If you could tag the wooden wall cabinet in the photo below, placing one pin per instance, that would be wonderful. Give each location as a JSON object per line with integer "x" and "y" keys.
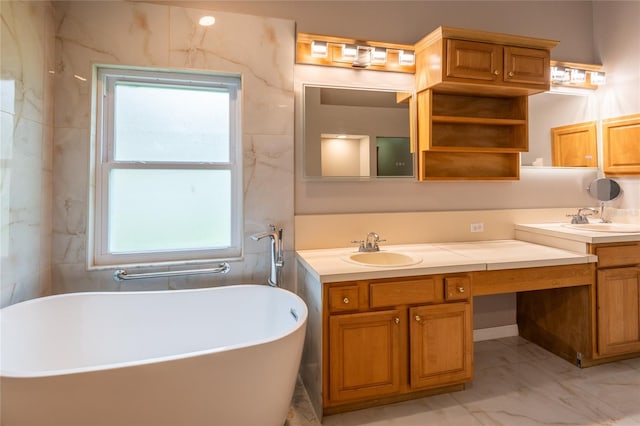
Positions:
{"x": 621, "y": 143}
{"x": 460, "y": 60}
{"x": 394, "y": 338}
{"x": 618, "y": 298}
{"x": 471, "y": 90}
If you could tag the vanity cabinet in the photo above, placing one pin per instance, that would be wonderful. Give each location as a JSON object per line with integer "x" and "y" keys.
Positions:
{"x": 395, "y": 338}
{"x": 467, "y": 61}
{"x": 618, "y": 298}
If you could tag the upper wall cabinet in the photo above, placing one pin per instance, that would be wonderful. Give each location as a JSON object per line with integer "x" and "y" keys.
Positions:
{"x": 471, "y": 93}
{"x": 475, "y": 62}
{"x": 621, "y": 136}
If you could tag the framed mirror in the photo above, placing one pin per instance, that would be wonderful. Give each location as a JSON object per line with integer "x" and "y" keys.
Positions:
{"x": 364, "y": 133}
{"x": 356, "y": 133}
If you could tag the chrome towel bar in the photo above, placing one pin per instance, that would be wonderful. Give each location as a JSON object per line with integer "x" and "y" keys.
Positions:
{"x": 122, "y": 275}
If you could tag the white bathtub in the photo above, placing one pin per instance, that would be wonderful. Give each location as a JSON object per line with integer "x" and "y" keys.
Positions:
{"x": 218, "y": 356}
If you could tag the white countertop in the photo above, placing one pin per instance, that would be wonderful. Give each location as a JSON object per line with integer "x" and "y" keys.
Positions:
{"x": 329, "y": 265}
{"x": 560, "y": 230}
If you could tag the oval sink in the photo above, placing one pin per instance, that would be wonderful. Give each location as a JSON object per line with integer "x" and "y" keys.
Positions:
{"x": 605, "y": 227}
{"x": 383, "y": 258}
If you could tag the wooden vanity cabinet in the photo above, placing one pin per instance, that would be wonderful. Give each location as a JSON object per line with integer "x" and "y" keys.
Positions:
{"x": 618, "y": 298}
{"x": 392, "y": 339}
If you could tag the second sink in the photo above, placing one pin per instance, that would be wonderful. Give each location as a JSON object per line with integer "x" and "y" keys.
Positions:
{"x": 606, "y": 227}
{"x": 383, "y": 258}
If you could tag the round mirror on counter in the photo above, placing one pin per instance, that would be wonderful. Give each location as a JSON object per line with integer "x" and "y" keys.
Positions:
{"x": 604, "y": 189}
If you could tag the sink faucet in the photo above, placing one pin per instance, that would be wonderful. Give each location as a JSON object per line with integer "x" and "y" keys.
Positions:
{"x": 370, "y": 243}
{"x": 277, "y": 259}
{"x": 580, "y": 217}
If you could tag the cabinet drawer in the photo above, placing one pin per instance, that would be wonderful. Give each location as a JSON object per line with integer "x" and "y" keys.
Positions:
{"x": 402, "y": 293}
{"x": 618, "y": 255}
{"x": 457, "y": 288}
{"x": 344, "y": 298}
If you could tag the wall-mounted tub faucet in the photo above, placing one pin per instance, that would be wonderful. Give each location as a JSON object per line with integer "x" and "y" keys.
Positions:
{"x": 277, "y": 258}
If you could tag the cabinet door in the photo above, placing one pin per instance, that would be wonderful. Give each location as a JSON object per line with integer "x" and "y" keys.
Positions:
{"x": 526, "y": 66}
{"x": 620, "y": 140}
{"x": 474, "y": 60}
{"x": 364, "y": 355}
{"x": 441, "y": 345}
{"x": 574, "y": 145}
{"x": 618, "y": 295}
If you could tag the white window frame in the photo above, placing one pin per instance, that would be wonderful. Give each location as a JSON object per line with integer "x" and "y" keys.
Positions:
{"x": 102, "y": 161}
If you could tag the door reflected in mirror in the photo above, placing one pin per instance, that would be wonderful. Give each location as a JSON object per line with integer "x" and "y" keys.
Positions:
{"x": 562, "y": 130}
{"x": 357, "y": 133}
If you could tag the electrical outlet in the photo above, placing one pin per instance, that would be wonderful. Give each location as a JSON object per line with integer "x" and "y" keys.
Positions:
{"x": 477, "y": 227}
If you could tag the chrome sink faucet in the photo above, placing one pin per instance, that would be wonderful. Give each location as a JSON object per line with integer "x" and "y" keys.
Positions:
{"x": 277, "y": 258}
{"x": 370, "y": 243}
{"x": 580, "y": 217}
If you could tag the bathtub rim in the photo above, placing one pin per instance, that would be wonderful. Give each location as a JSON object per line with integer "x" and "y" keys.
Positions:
{"x": 300, "y": 322}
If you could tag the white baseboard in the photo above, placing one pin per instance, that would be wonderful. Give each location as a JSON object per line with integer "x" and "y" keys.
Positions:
{"x": 495, "y": 332}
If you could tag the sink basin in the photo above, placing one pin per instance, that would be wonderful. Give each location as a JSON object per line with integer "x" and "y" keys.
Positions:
{"x": 383, "y": 258}
{"x": 605, "y": 227}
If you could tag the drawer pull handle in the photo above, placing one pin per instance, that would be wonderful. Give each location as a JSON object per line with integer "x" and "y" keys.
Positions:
{"x": 496, "y": 72}
{"x": 417, "y": 318}
{"x": 396, "y": 320}
{"x": 345, "y": 300}
{"x": 460, "y": 289}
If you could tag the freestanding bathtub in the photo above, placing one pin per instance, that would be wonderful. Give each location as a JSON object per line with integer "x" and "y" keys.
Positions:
{"x": 217, "y": 356}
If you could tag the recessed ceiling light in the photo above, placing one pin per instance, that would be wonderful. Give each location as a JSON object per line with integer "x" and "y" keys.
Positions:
{"x": 207, "y": 21}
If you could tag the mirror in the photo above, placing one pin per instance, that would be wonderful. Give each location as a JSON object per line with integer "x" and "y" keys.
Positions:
{"x": 572, "y": 114}
{"x": 361, "y": 133}
{"x": 604, "y": 189}
{"x": 356, "y": 133}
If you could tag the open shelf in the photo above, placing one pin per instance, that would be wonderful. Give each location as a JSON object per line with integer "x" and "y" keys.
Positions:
{"x": 462, "y": 136}
{"x": 469, "y": 166}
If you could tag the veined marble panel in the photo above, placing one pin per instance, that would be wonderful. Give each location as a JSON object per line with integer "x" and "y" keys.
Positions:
{"x": 261, "y": 50}
{"x": 23, "y": 41}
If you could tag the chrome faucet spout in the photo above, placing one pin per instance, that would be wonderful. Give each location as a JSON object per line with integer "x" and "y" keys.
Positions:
{"x": 277, "y": 258}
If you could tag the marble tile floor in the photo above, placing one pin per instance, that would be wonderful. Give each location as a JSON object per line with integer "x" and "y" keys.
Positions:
{"x": 516, "y": 383}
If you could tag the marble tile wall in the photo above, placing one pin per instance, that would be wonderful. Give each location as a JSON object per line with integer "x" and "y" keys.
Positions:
{"x": 26, "y": 126}
{"x": 150, "y": 35}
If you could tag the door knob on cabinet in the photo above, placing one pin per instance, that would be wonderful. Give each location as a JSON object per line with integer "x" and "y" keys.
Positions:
{"x": 345, "y": 300}
{"x": 460, "y": 289}
{"x": 417, "y": 318}
{"x": 396, "y": 320}
{"x": 496, "y": 72}
{"x": 511, "y": 74}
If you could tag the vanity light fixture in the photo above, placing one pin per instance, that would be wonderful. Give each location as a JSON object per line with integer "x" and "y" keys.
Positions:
{"x": 406, "y": 57}
{"x": 576, "y": 76}
{"x": 207, "y": 21}
{"x": 349, "y": 52}
{"x": 597, "y": 78}
{"x": 316, "y": 49}
{"x": 378, "y": 55}
{"x": 559, "y": 74}
{"x": 319, "y": 49}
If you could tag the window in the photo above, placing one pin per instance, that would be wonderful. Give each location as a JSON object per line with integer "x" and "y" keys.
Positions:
{"x": 167, "y": 167}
